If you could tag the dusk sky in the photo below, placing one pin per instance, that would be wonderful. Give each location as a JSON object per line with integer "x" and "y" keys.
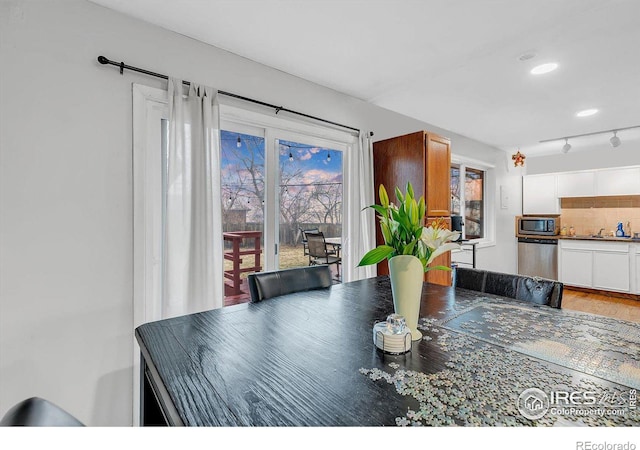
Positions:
{"x": 310, "y": 170}
{"x": 313, "y": 161}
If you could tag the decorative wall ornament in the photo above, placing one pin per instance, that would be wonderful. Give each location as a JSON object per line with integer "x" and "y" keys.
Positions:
{"x": 518, "y": 159}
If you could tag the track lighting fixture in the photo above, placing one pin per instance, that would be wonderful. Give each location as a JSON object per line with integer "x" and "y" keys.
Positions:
{"x": 615, "y": 140}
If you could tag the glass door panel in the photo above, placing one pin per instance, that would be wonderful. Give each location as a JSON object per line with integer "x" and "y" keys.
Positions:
{"x": 242, "y": 190}
{"x": 310, "y": 198}
{"x": 474, "y": 203}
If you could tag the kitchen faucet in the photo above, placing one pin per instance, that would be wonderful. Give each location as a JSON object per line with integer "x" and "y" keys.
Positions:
{"x": 600, "y": 232}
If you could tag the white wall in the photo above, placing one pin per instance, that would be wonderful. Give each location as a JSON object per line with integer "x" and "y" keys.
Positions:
{"x": 66, "y": 189}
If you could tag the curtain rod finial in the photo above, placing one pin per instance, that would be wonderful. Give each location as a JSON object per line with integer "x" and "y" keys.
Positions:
{"x": 103, "y": 60}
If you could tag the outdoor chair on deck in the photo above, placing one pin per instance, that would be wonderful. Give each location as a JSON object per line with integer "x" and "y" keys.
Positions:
{"x": 305, "y": 245}
{"x": 264, "y": 285}
{"x": 319, "y": 253}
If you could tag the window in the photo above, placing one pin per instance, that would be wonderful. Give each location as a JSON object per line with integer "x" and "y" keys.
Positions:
{"x": 310, "y": 197}
{"x": 467, "y": 199}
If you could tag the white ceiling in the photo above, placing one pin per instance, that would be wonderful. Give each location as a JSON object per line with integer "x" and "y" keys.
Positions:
{"x": 452, "y": 63}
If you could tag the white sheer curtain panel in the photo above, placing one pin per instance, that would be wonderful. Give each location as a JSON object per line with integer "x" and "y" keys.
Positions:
{"x": 360, "y": 231}
{"x": 192, "y": 279}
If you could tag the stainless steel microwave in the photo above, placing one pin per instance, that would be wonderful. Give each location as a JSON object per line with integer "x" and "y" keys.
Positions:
{"x": 541, "y": 226}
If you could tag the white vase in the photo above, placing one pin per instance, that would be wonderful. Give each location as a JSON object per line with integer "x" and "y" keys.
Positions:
{"x": 406, "y": 273}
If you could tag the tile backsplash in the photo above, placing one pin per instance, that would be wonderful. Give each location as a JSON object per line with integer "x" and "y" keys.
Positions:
{"x": 589, "y": 214}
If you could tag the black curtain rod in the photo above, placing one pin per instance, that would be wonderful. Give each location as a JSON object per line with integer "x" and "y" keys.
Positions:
{"x": 104, "y": 60}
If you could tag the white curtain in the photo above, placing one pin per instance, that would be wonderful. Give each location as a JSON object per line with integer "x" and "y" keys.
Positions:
{"x": 360, "y": 231}
{"x": 192, "y": 279}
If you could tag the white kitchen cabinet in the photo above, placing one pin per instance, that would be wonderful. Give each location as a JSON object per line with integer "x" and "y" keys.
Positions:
{"x": 540, "y": 195}
{"x": 624, "y": 181}
{"x": 602, "y": 265}
{"x": 577, "y": 184}
{"x": 611, "y": 270}
{"x": 635, "y": 285}
{"x": 576, "y": 267}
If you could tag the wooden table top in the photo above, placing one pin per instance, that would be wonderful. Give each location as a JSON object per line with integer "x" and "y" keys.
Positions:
{"x": 308, "y": 359}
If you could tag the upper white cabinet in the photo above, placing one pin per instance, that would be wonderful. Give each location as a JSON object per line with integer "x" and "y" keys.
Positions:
{"x": 540, "y": 194}
{"x": 624, "y": 181}
{"x": 577, "y": 184}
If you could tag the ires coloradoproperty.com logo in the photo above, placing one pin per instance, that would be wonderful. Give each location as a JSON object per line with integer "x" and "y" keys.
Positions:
{"x": 534, "y": 403}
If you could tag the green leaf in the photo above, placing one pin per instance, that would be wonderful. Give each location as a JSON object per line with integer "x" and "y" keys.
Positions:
{"x": 437, "y": 268}
{"x": 395, "y": 215}
{"x": 408, "y": 250}
{"x": 376, "y": 255}
{"x": 386, "y": 232}
{"x": 379, "y": 209}
{"x": 384, "y": 198}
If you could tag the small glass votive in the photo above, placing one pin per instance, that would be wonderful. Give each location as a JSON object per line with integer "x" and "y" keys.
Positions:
{"x": 396, "y": 323}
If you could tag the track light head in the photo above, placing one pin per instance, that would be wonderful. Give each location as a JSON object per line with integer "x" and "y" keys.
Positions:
{"x": 566, "y": 147}
{"x": 615, "y": 140}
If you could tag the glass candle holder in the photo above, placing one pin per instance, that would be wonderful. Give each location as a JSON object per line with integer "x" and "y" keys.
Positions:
{"x": 396, "y": 323}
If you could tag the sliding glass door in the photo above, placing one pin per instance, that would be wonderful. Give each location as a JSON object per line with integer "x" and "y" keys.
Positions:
{"x": 309, "y": 198}
{"x": 243, "y": 219}
{"x": 278, "y": 178}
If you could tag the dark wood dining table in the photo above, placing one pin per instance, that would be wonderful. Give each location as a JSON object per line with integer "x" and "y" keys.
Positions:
{"x": 309, "y": 359}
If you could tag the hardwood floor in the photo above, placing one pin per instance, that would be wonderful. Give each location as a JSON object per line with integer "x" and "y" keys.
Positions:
{"x": 604, "y": 305}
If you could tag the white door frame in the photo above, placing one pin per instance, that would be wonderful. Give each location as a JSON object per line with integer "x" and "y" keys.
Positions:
{"x": 150, "y": 106}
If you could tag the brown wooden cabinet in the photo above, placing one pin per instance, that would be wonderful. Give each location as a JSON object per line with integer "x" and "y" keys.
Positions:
{"x": 424, "y": 159}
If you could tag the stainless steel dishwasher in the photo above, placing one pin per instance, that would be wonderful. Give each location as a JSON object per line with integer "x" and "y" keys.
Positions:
{"x": 538, "y": 257}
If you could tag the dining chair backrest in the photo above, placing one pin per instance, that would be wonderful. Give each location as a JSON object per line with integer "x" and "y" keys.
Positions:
{"x": 38, "y": 412}
{"x": 317, "y": 245}
{"x": 264, "y": 285}
{"x": 532, "y": 289}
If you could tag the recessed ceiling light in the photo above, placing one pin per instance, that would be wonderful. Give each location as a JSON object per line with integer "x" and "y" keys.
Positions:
{"x": 586, "y": 112}
{"x": 544, "y": 68}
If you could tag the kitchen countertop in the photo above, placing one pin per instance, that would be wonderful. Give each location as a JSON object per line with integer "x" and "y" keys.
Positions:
{"x": 582, "y": 238}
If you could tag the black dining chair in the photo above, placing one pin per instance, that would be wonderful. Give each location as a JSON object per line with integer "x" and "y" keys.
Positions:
{"x": 38, "y": 412}
{"x": 319, "y": 253}
{"x": 531, "y": 289}
{"x": 265, "y": 285}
